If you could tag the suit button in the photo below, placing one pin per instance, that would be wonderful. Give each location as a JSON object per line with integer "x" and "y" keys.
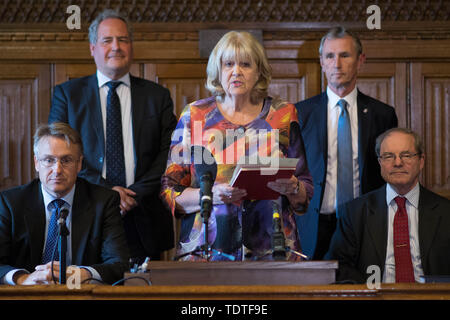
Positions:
{"x": 100, "y": 159}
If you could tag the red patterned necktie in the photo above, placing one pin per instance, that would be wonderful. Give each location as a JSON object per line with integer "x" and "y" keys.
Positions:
{"x": 404, "y": 271}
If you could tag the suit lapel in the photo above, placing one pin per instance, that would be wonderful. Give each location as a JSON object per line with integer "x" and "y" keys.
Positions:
{"x": 322, "y": 127}
{"x": 377, "y": 217}
{"x": 35, "y": 223}
{"x": 82, "y": 217}
{"x": 138, "y": 105}
{"x": 364, "y": 127}
{"x": 429, "y": 219}
{"x": 94, "y": 110}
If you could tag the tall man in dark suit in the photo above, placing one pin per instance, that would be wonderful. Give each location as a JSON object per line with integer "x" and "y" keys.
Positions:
{"x": 339, "y": 128}
{"x": 28, "y": 215}
{"x": 402, "y": 227}
{"x": 125, "y": 124}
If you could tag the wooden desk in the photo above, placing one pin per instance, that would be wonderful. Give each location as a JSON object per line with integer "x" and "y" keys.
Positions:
{"x": 288, "y": 292}
{"x": 239, "y": 273}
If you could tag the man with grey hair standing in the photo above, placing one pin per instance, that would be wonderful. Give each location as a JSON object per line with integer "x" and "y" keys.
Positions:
{"x": 339, "y": 128}
{"x": 126, "y": 125}
{"x": 402, "y": 227}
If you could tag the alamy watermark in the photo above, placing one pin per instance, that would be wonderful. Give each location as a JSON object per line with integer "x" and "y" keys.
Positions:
{"x": 74, "y": 20}
{"x": 374, "y": 20}
{"x": 261, "y": 145}
{"x": 374, "y": 280}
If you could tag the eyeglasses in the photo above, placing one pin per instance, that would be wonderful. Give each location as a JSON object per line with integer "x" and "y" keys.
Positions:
{"x": 406, "y": 157}
{"x": 66, "y": 162}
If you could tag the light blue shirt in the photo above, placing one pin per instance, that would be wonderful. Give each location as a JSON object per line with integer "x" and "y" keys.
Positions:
{"x": 8, "y": 278}
{"x": 412, "y": 209}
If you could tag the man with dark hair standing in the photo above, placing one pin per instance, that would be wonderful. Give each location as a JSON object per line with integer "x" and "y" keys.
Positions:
{"x": 29, "y": 215}
{"x": 402, "y": 227}
{"x": 125, "y": 124}
{"x": 339, "y": 128}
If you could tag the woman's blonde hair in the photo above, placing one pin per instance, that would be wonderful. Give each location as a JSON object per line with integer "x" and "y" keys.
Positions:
{"x": 239, "y": 46}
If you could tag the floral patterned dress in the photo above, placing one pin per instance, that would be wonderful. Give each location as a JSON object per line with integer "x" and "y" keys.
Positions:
{"x": 242, "y": 229}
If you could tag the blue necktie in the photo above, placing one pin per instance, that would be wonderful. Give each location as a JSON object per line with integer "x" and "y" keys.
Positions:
{"x": 52, "y": 233}
{"x": 115, "y": 161}
{"x": 344, "y": 188}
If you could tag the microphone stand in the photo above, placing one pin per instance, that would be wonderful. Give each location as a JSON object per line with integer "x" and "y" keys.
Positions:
{"x": 206, "y": 213}
{"x": 205, "y": 250}
{"x": 62, "y": 240}
{"x": 279, "y": 248}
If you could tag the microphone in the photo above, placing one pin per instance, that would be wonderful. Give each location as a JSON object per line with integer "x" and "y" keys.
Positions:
{"x": 205, "y": 171}
{"x": 63, "y": 233}
{"x": 63, "y": 216}
{"x": 278, "y": 241}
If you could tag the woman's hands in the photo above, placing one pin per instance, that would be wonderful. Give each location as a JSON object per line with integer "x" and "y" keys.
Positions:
{"x": 223, "y": 193}
{"x": 292, "y": 188}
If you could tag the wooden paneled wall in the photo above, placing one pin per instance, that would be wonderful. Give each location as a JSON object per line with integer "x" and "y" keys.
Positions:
{"x": 406, "y": 67}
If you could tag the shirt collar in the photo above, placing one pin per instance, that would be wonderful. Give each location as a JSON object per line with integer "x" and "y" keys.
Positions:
{"x": 102, "y": 79}
{"x": 333, "y": 98}
{"x": 412, "y": 196}
{"x": 68, "y": 198}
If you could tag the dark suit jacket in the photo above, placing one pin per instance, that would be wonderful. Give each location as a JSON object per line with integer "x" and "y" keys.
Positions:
{"x": 360, "y": 239}
{"x": 77, "y": 102}
{"x": 98, "y": 237}
{"x": 374, "y": 117}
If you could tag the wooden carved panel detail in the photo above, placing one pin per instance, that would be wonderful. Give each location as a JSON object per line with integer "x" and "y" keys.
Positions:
{"x": 386, "y": 82}
{"x": 17, "y": 106}
{"x": 291, "y": 90}
{"x": 39, "y": 11}
{"x": 24, "y": 104}
{"x": 430, "y": 109}
{"x": 185, "y": 91}
{"x": 185, "y": 81}
{"x": 380, "y": 88}
{"x": 437, "y": 135}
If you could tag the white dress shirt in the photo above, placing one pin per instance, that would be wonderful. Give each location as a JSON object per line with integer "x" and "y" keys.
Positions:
{"x": 412, "y": 209}
{"x": 8, "y": 278}
{"x": 329, "y": 203}
{"x": 124, "y": 93}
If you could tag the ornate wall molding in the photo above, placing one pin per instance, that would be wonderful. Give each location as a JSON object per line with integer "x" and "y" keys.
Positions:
{"x": 283, "y": 35}
{"x": 151, "y": 11}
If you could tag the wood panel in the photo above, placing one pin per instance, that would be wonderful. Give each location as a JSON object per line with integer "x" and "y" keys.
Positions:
{"x": 430, "y": 110}
{"x": 24, "y": 103}
{"x": 67, "y": 71}
{"x": 291, "y": 81}
{"x": 386, "y": 82}
{"x": 185, "y": 81}
{"x": 294, "y": 82}
{"x": 416, "y": 85}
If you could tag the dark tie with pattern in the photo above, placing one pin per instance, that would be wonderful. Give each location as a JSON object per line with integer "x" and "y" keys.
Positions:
{"x": 115, "y": 160}
{"x": 344, "y": 187}
{"x": 52, "y": 233}
{"x": 404, "y": 271}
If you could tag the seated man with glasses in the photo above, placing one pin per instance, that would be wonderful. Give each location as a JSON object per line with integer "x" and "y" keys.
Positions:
{"x": 403, "y": 228}
{"x": 96, "y": 245}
